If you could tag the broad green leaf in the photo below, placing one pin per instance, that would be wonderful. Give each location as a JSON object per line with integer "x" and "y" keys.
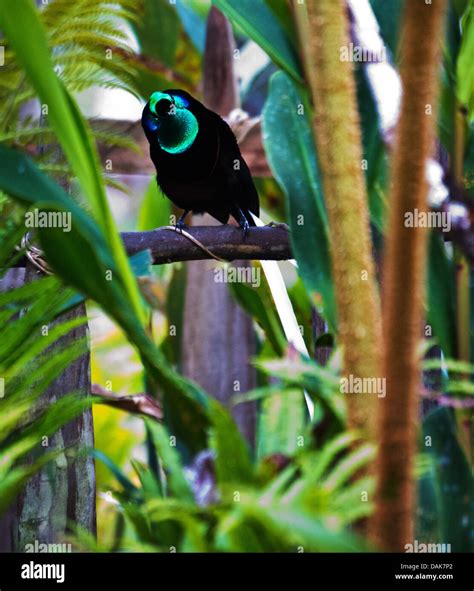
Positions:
{"x": 193, "y": 23}
{"x": 441, "y": 290}
{"x": 256, "y": 302}
{"x": 151, "y": 485}
{"x": 291, "y": 154}
{"x": 155, "y": 209}
{"x": 389, "y": 17}
{"x": 175, "y": 298}
{"x": 232, "y": 455}
{"x": 464, "y": 69}
{"x": 262, "y": 26}
{"x": 194, "y": 534}
{"x": 177, "y": 484}
{"x": 282, "y": 10}
{"x": 374, "y": 149}
{"x": 122, "y": 479}
{"x": 158, "y": 31}
{"x": 242, "y": 532}
{"x": 281, "y": 422}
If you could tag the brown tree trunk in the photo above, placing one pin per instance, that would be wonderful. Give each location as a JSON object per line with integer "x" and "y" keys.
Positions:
{"x": 63, "y": 492}
{"x": 218, "y": 337}
{"x": 404, "y": 278}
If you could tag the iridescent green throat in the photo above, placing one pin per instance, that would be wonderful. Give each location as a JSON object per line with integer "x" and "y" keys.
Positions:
{"x": 176, "y": 129}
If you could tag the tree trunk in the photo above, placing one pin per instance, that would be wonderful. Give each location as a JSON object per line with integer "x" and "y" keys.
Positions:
{"x": 63, "y": 492}
{"x": 218, "y": 337}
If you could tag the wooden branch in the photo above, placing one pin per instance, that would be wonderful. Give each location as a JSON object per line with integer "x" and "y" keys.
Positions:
{"x": 226, "y": 242}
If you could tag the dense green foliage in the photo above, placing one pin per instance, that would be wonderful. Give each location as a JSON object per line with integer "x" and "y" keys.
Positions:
{"x": 202, "y": 488}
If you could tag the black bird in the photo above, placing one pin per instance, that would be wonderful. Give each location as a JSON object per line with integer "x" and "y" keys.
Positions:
{"x": 198, "y": 162}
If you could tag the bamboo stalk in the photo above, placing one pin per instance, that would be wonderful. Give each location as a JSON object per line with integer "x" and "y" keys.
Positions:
{"x": 391, "y": 526}
{"x": 338, "y": 139}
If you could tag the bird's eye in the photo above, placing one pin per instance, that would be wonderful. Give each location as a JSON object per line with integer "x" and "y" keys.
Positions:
{"x": 164, "y": 107}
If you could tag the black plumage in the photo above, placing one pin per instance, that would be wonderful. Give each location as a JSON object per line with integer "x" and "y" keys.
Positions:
{"x": 198, "y": 162}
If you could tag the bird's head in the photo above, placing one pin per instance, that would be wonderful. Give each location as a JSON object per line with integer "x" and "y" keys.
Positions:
{"x": 167, "y": 119}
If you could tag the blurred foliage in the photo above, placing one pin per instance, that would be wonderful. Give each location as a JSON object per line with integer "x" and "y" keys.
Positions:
{"x": 27, "y": 369}
{"x": 224, "y": 503}
{"x": 201, "y": 488}
{"x": 286, "y": 131}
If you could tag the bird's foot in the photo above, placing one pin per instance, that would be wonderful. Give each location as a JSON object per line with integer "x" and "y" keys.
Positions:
{"x": 180, "y": 225}
{"x": 278, "y": 225}
{"x": 244, "y": 226}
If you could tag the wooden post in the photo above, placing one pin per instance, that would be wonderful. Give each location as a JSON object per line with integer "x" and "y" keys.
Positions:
{"x": 218, "y": 337}
{"x": 63, "y": 492}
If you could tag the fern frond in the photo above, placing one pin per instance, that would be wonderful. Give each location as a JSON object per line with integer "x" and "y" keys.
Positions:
{"x": 90, "y": 40}
{"x": 76, "y": 63}
{"x": 112, "y": 138}
{"x": 112, "y": 13}
{"x": 113, "y": 183}
{"x": 56, "y": 169}
{"x": 84, "y": 82}
{"x": 24, "y": 135}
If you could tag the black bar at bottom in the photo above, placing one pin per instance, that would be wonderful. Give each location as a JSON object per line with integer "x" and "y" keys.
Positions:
{"x": 294, "y": 571}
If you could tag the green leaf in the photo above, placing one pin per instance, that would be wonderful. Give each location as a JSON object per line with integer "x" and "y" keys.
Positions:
{"x": 12, "y": 482}
{"x": 389, "y": 17}
{"x": 58, "y": 414}
{"x": 194, "y": 534}
{"x": 155, "y": 209}
{"x": 177, "y": 484}
{"x": 193, "y": 23}
{"x": 282, "y": 10}
{"x": 262, "y": 26}
{"x": 232, "y": 455}
{"x": 122, "y": 479}
{"x": 158, "y": 31}
{"x": 464, "y": 69}
{"x": 175, "y": 299}
{"x": 441, "y": 295}
{"x": 291, "y": 154}
{"x": 281, "y": 422}
{"x": 451, "y": 479}
{"x": 257, "y": 303}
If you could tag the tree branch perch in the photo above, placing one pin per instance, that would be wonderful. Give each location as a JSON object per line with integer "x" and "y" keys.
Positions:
{"x": 226, "y": 242}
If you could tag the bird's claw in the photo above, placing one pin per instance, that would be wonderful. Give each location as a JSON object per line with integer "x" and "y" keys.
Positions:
{"x": 245, "y": 226}
{"x": 180, "y": 225}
